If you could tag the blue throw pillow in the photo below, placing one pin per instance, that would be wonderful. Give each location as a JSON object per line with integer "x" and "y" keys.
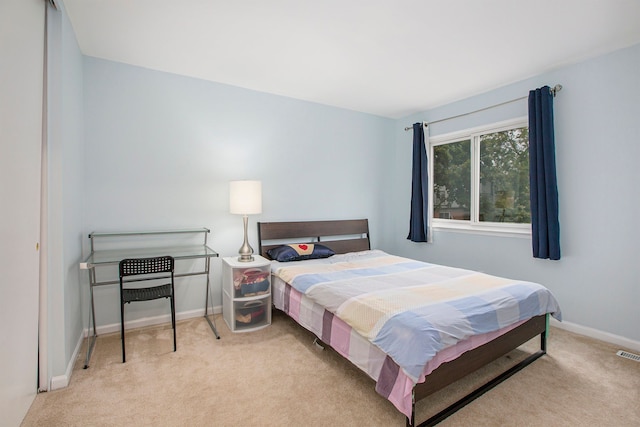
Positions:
{"x": 299, "y": 252}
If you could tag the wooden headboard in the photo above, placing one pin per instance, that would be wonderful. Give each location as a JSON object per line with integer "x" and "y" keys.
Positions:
{"x": 342, "y": 236}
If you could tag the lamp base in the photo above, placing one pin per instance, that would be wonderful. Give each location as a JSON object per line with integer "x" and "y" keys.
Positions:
{"x": 246, "y": 251}
{"x": 246, "y": 258}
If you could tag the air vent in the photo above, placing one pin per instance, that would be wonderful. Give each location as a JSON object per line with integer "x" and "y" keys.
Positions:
{"x": 628, "y": 355}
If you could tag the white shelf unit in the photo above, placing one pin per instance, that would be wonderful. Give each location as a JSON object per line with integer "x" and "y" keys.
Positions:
{"x": 246, "y": 293}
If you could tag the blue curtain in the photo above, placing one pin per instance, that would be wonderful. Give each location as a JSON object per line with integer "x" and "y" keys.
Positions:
{"x": 418, "y": 224}
{"x": 545, "y": 226}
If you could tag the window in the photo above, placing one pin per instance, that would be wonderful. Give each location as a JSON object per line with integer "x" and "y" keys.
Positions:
{"x": 481, "y": 179}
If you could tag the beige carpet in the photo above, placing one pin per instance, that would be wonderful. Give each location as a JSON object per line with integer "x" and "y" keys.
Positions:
{"x": 277, "y": 377}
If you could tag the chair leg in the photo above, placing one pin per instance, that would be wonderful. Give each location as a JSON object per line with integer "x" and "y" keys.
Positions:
{"x": 173, "y": 321}
{"x": 122, "y": 330}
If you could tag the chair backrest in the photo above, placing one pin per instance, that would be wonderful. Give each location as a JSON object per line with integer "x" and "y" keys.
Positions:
{"x": 133, "y": 266}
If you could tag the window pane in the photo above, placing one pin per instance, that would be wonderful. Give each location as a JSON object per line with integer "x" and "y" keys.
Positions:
{"x": 504, "y": 176}
{"x": 452, "y": 180}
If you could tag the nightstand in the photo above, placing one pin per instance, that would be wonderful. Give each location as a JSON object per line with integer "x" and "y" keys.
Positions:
{"x": 246, "y": 293}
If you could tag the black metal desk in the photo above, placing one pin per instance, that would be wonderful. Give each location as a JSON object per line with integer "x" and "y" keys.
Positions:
{"x": 112, "y": 257}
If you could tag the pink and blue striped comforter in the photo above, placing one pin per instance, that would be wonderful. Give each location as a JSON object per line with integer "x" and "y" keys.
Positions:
{"x": 413, "y": 310}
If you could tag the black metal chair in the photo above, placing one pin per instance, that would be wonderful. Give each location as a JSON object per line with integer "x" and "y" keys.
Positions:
{"x": 147, "y": 269}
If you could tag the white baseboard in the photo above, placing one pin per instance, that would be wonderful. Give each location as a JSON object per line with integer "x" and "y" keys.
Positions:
{"x": 597, "y": 334}
{"x": 150, "y": 321}
{"x": 61, "y": 381}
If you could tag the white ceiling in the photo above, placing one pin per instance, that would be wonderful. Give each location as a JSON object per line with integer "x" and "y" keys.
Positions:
{"x": 386, "y": 57}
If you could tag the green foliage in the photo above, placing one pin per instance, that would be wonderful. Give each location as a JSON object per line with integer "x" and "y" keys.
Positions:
{"x": 452, "y": 175}
{"x": 504, "y": 177}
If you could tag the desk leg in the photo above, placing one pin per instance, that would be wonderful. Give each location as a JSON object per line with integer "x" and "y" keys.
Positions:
{"x": 91, "y": 331}
{"x": 209, "y": 299}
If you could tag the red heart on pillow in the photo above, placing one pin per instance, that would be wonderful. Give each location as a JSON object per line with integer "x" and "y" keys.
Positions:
{"x": 303, "y": 247}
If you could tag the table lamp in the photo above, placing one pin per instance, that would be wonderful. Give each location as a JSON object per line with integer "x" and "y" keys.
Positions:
{"x": 245, "y": 198}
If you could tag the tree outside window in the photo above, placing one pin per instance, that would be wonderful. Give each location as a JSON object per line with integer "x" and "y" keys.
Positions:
{"x": 452, "y": 180}
{"x": 482, "y": 178}
{"x": 504, "y": 177}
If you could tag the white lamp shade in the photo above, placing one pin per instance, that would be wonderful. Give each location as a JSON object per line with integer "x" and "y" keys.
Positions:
{"x": 245, "y": 197}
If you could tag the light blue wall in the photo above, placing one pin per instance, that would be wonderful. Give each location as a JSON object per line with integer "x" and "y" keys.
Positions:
{"x": 597, "y": 281}
{"x": 160, "y": 150}
{"x": 65, "y": 192}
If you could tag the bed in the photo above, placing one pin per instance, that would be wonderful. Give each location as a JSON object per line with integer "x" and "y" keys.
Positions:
{"x": 380, "y": 312}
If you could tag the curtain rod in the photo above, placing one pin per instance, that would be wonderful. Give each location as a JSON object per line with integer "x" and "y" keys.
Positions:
{"x": 554, "y": 90}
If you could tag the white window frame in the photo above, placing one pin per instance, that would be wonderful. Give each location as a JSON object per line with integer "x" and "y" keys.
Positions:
{"x": 474, "y": 225}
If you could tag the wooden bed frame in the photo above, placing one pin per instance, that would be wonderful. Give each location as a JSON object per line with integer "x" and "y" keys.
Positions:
{"x": 353, "y": 235}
